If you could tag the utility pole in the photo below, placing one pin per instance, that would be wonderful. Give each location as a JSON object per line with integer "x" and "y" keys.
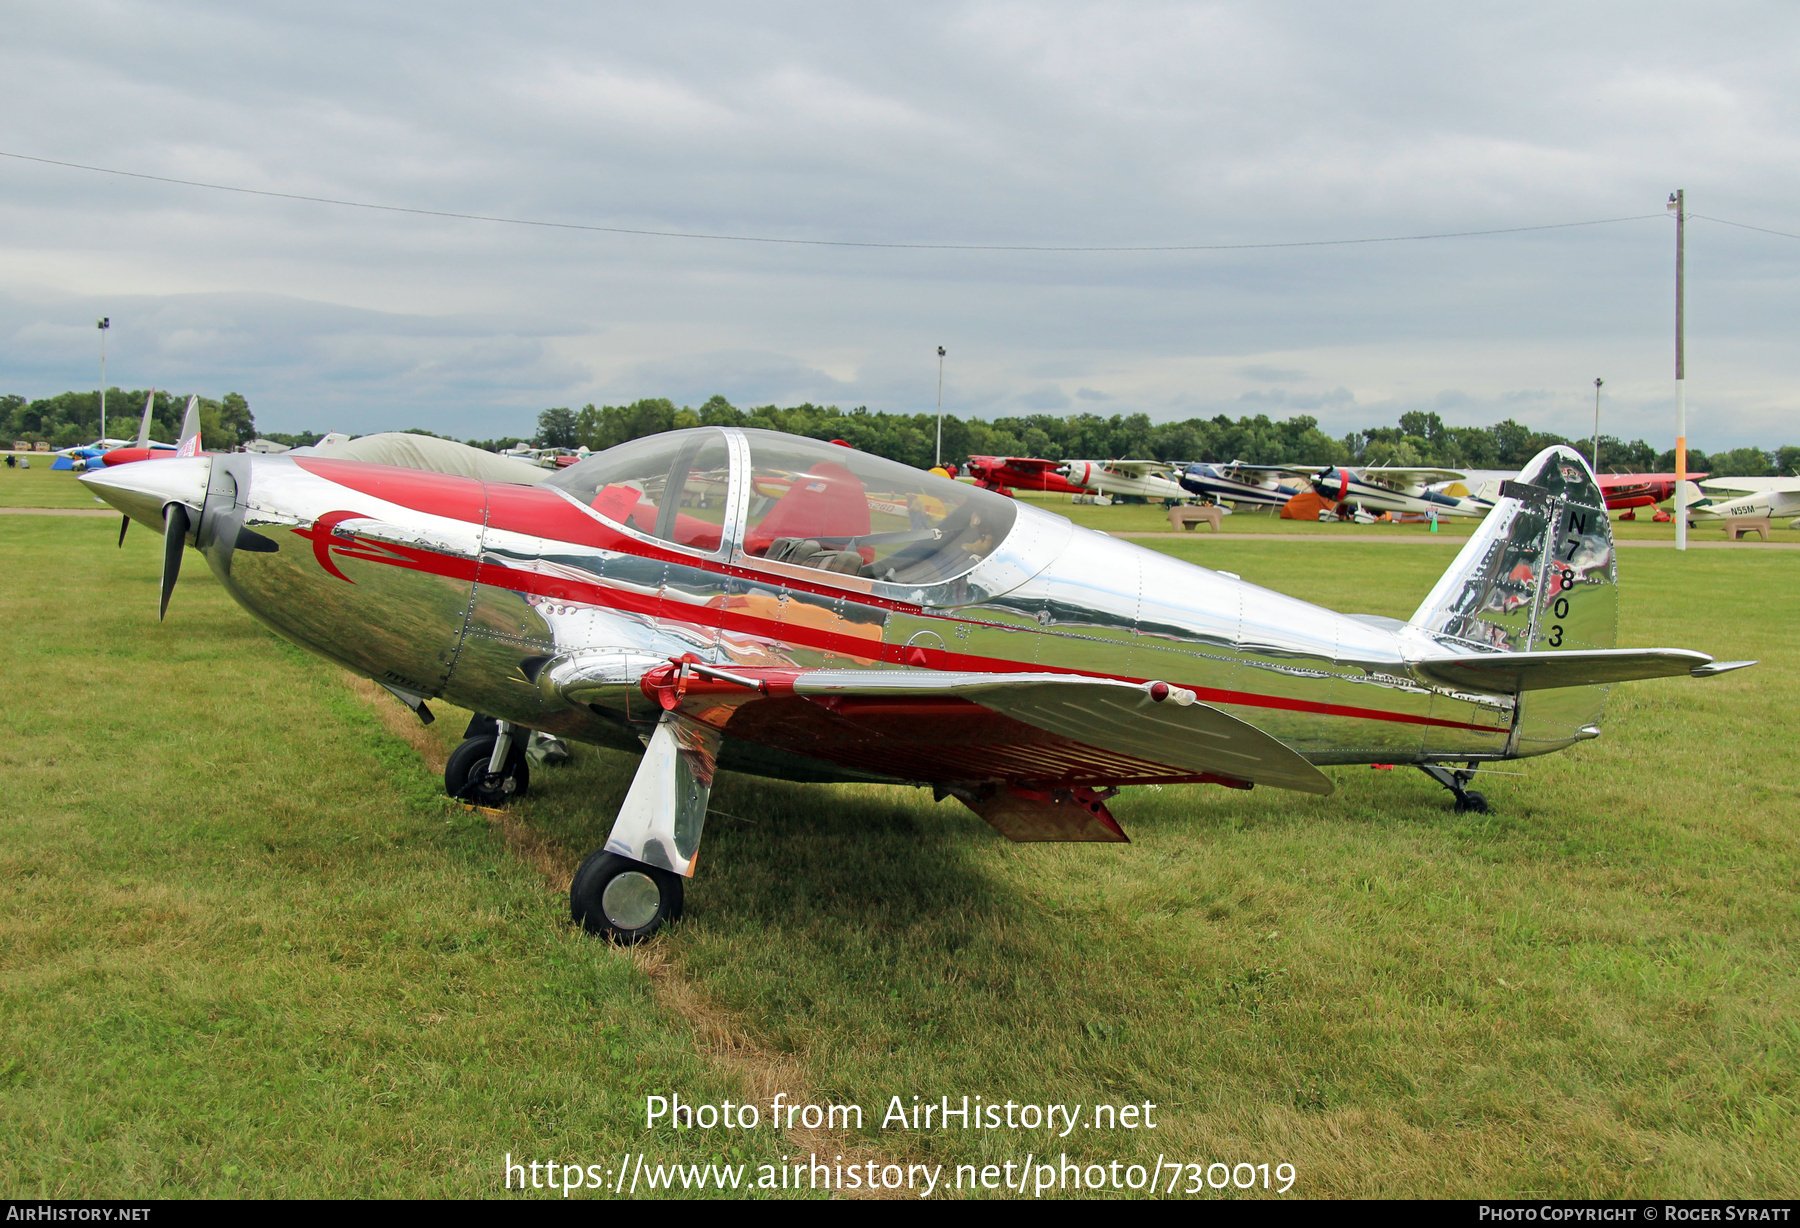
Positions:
{"x": 939, "y": 463}
{"x": 1678, "y": 206}
{"x": 105, "y": 322}
{"x": 1597, "y": 382}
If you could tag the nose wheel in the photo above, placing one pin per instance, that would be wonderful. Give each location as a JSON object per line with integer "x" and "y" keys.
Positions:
{"x": 623, "y": 900}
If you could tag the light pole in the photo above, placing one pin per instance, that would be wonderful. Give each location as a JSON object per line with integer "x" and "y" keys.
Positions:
{"x": 939, "y": 463}
{"x": 1678, "y": 206}
{"x": 104, "y": 323}
{"x": 1597, "y": 382}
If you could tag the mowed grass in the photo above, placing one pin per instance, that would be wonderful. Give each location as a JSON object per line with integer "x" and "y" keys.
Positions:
{"x": 245, "y": 947}
{"x": 1588, "y": 993}
{"x": 246, "y": 953}
{"x": 41, "y": 486}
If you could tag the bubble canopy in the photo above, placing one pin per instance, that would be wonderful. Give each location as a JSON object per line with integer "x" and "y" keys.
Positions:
{"x": 808, "y": 504}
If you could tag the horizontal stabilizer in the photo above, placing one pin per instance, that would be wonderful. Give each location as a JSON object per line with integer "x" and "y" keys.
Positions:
{"x": 1509, "y": 673}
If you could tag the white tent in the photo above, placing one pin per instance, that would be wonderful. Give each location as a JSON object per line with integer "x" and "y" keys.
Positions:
{"x": 427, "y": 452}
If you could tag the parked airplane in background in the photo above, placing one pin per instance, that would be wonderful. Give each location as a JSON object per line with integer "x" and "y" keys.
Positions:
{"x": 1237, "y": 482}
{"x": 1394, "y": 488}
{"x": 1125, "y": 479}
{"x": 1622, "y": 491}
{"x": 1629, "y": 490}
{"x": 880, "y": 624}
{"x": 144, "y": 449}
{"x": 1732, "y": 498}
{"x": 1005, "y": 474}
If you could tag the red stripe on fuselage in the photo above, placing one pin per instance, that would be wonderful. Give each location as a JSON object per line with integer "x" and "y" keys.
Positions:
{"x": 532, "y": 510}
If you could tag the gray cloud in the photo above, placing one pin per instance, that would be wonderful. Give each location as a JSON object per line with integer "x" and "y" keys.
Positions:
{"x": 1264, "y": 373}
{"x": 981, "y": 122}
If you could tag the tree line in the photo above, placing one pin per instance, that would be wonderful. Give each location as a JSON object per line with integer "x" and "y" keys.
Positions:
{"x": 72, "y": 418}
{"x": 1420, "y": 439}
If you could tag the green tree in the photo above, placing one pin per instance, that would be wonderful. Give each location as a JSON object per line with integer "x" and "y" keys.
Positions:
{"x": 556, "y": 429}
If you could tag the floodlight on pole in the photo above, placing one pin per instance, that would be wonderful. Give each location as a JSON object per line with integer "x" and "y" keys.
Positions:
{"x": 1678, "y": 206}
{"x": 1597, "y": 382}
{"x": 939, "y": 462}
{"x": 104, "y": 323}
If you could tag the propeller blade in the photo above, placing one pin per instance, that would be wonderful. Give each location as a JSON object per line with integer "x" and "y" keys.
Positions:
{"x": 175, "y": 529}
{"x": 124, "y": 523}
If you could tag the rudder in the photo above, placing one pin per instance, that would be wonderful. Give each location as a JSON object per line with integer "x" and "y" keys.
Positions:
{"x": 1539, "y": 575}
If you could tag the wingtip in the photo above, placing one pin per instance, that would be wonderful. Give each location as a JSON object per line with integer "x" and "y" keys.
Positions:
{"x": 1712, "y": 669}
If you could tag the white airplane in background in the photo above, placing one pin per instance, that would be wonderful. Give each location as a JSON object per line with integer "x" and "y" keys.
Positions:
{"x": 1483, "y": 484}
{"x": 1730, "y": 498}
{"x": 1142, "y": 479}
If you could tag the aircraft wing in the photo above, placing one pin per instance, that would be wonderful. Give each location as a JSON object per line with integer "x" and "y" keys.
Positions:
{"x": 1140, "y": 468}
{"x": 1510, "y": 673}
{"x": 1028, "y": 463}
{"x": 1397, "y": 476}
{"x": 1060, "y": 729}
{"x": 1275, "y": 471}
{"x": 1751, "y": 486}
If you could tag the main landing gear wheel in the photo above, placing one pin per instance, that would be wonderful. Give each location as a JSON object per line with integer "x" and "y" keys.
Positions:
{"x": 466, "y": 776}
{"x": 621, "y": 899}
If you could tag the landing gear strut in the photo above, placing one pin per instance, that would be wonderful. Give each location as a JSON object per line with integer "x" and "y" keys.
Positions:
{"x": 1457, "y": 781}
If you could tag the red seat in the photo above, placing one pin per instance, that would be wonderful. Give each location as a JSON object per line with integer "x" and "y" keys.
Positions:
{"x": 826, "y": 502}
{"x": 624, "y": 505}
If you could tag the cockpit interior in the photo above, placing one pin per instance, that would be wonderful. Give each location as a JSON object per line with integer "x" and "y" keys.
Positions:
{"x": 806, "y": 503}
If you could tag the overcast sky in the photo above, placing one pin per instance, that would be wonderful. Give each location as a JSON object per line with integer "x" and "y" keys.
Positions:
{"x": 1005, "y": 124}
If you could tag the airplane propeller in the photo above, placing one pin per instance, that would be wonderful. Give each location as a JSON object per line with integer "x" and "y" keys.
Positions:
{"x": 124, "y": 523}
{"x": 175, "y": 531}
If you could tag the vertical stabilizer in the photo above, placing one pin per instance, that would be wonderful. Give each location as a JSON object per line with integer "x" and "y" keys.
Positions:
{"x": 1539, "y": 575}
{"x": 190, "y": 430}
{"x": 143, "y": 439}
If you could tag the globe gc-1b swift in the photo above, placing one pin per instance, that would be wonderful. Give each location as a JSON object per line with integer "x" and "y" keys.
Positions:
{"x": 774, "y": 605}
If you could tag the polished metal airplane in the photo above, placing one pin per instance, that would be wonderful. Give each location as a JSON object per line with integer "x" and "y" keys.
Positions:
{"x": 839, "y": 617}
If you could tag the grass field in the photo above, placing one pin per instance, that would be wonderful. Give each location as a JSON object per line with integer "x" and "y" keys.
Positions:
{"x": 246, "y": 951}
{"x": 40, "y": 486}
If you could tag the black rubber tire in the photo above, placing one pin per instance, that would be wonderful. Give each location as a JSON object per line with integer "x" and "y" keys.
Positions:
{"x": 588, "y": 891}
{"x": 465, "y": 774}
{"x": 1472, "y": 802}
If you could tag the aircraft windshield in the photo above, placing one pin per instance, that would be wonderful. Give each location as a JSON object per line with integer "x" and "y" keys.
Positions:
{"x": 670, "y": 486}
{"x": 834, "y": 509}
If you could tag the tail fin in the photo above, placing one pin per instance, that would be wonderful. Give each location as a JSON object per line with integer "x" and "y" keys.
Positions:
{"x": 143, "y": 439}
{"x": 1538, "y": 576}
{"x": 190, "y": 430}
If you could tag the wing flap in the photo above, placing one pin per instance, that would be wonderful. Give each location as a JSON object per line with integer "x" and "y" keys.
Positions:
{"x": 1121, "y": 717}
